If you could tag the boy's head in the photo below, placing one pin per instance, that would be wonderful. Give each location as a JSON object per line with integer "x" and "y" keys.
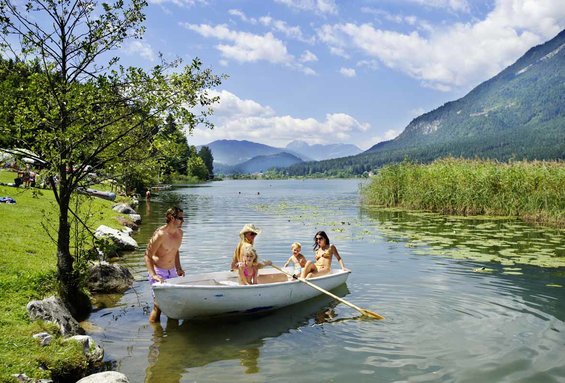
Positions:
{"x": 296, "y": 246}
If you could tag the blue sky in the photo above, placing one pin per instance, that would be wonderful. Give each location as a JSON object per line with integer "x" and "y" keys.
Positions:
{"x": 327, "y": 71}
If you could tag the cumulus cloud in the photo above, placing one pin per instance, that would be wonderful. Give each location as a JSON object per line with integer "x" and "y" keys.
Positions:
{"x": 348, "y": 72}
{"x": 388, "y": 135}
{"x": 239, "y": 119}
{"x": 456, "y": 55}
{"x": 249, "y": 47}
{"x": 244, "y": 46}
{"x": 140, "y": 48}
{"x": 317, "y": 6}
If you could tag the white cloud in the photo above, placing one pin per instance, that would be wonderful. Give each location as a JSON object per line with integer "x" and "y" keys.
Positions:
{"x": 347, "y": 72}
{"x": 239, "y": 119}
{"x": 317, "y": 6}
{"x": 245, "y": 47}
{"x": 388, "y": 135}
{"x": 242, "y": 16}
{"x": 293, "y": 32}
{"x": 460, "y": 54}
{"x": 454, "y": 5}
{"x": 140, "y": 48}
{"x": 371, "y": 64}
{"x": 308, "y": 56}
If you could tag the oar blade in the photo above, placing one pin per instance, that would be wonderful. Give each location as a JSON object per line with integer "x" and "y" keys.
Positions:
{"x": 372, "y": 314}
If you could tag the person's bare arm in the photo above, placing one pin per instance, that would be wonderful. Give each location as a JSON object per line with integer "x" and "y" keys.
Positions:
{"x": 242, "y": 278}
{"x": 152, "y": 248}
{"x": 337, "y": 256}
{"x": 234, "y": 260}
{"x": 178, "y": 266}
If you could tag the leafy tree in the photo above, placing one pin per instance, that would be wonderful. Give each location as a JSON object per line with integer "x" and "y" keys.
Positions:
{"x": 206, "y": 154}
{"x": 84, "y": 110}
{"x": 171, "y": 147}
{"x": 197, "y": 168}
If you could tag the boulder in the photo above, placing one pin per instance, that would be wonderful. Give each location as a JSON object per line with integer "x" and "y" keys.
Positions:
{"x": 109, "y": 278}
{"x": 122, "y": 240}
{"x": 53, "y": 310}
{"x": 127, "y": 223}
{"x": 124, "y": 209}
{"x": 94, "y": 353}
{"x": 136, "y": 218}
{"x": 105, "y": 377}
{"x": 44, "y": 338}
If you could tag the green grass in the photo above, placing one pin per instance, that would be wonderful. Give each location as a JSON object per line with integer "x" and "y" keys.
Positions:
{"x": 532, "y": 191}
{"x": 28, "y": 271}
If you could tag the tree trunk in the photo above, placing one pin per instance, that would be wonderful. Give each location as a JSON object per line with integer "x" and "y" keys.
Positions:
{"x": 70, "y": 291}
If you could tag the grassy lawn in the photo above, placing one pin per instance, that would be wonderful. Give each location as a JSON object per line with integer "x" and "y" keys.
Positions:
{"x": 28, "y": 271}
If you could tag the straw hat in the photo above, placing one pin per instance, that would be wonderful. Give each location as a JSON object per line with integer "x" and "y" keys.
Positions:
{"x": 249, "y": 228}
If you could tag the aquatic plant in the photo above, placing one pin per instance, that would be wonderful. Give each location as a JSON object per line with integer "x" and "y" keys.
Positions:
{"x": 530, "y": 190}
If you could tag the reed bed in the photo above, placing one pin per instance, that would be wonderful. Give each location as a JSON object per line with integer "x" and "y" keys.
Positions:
{"x": 530, "y": 190}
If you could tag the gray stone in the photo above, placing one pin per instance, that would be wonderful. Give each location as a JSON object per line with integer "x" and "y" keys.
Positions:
{"x": 53, "y": 310}
{"x": 124, "y": 209}
{"x": 94, "y": 354}
{"x": 136, "y": 218}
{"x": 121, "y": 239}
{"x": 109, "y": 278}
{"x": 105, "y": 377}
{"x": 44, "y": 338}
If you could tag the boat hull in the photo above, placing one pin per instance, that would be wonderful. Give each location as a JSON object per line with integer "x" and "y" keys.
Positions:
{"x": 219, "y": 294}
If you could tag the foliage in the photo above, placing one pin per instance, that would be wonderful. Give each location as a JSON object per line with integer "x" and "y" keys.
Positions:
{"x": 529, "y": 190}
{"x": 197, "y": 168}
{"x": 206, "y": 154}
{"x": 80, "y": 112}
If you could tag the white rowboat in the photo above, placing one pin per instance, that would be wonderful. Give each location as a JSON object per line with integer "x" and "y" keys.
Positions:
{"x": 219, "y": 294}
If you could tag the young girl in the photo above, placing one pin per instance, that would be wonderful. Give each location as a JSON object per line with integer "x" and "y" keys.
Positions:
{"x": 297, "y": 258}
{"x": 249, "y": 269}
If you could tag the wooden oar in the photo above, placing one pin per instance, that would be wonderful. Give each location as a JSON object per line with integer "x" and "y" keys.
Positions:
{"x": 368, "y": 313}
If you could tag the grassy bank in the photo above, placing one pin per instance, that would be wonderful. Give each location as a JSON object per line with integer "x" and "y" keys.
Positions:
{"x": 532, "y": 191}
{"x": 27, "y": 272}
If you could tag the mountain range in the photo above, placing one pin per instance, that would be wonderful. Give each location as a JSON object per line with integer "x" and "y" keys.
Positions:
{"x": 234, "y": 156}
{"x": 517, "y": 114}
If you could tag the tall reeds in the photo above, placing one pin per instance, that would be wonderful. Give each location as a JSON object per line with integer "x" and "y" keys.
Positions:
{"x": 530, "y": 190}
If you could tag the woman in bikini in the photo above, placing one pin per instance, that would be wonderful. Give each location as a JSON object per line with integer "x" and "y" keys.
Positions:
{"x": 249, "y": 269}
{"x": 324, "y": 251}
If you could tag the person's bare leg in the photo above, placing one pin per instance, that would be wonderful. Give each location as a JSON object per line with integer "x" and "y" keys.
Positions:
{"x": 308, "y": 269}
{"x": 155, "y": 315}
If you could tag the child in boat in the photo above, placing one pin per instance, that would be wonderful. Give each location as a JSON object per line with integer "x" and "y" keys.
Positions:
{"x": 297, "y": 258}
{"x": 249, "y": 268}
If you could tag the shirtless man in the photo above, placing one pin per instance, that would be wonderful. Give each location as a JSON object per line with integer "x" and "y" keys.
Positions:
{"x": 162, "y": 256}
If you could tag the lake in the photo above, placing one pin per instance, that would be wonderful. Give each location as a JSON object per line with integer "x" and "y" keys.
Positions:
{"x": 464, "y": 300}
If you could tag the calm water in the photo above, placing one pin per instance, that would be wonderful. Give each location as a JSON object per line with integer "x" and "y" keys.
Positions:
{"x": 447, "y": 318}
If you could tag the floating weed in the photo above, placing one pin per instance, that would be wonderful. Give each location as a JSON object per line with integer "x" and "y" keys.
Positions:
{"x": 512, "y": 272}
{"x": 504, "y": 242}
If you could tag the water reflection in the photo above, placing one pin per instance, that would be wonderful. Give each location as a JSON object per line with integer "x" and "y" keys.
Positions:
{"x": 179, "y": 347}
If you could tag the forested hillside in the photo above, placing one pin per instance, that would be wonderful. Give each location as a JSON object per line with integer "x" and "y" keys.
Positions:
{"x": 518, "y": 114}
